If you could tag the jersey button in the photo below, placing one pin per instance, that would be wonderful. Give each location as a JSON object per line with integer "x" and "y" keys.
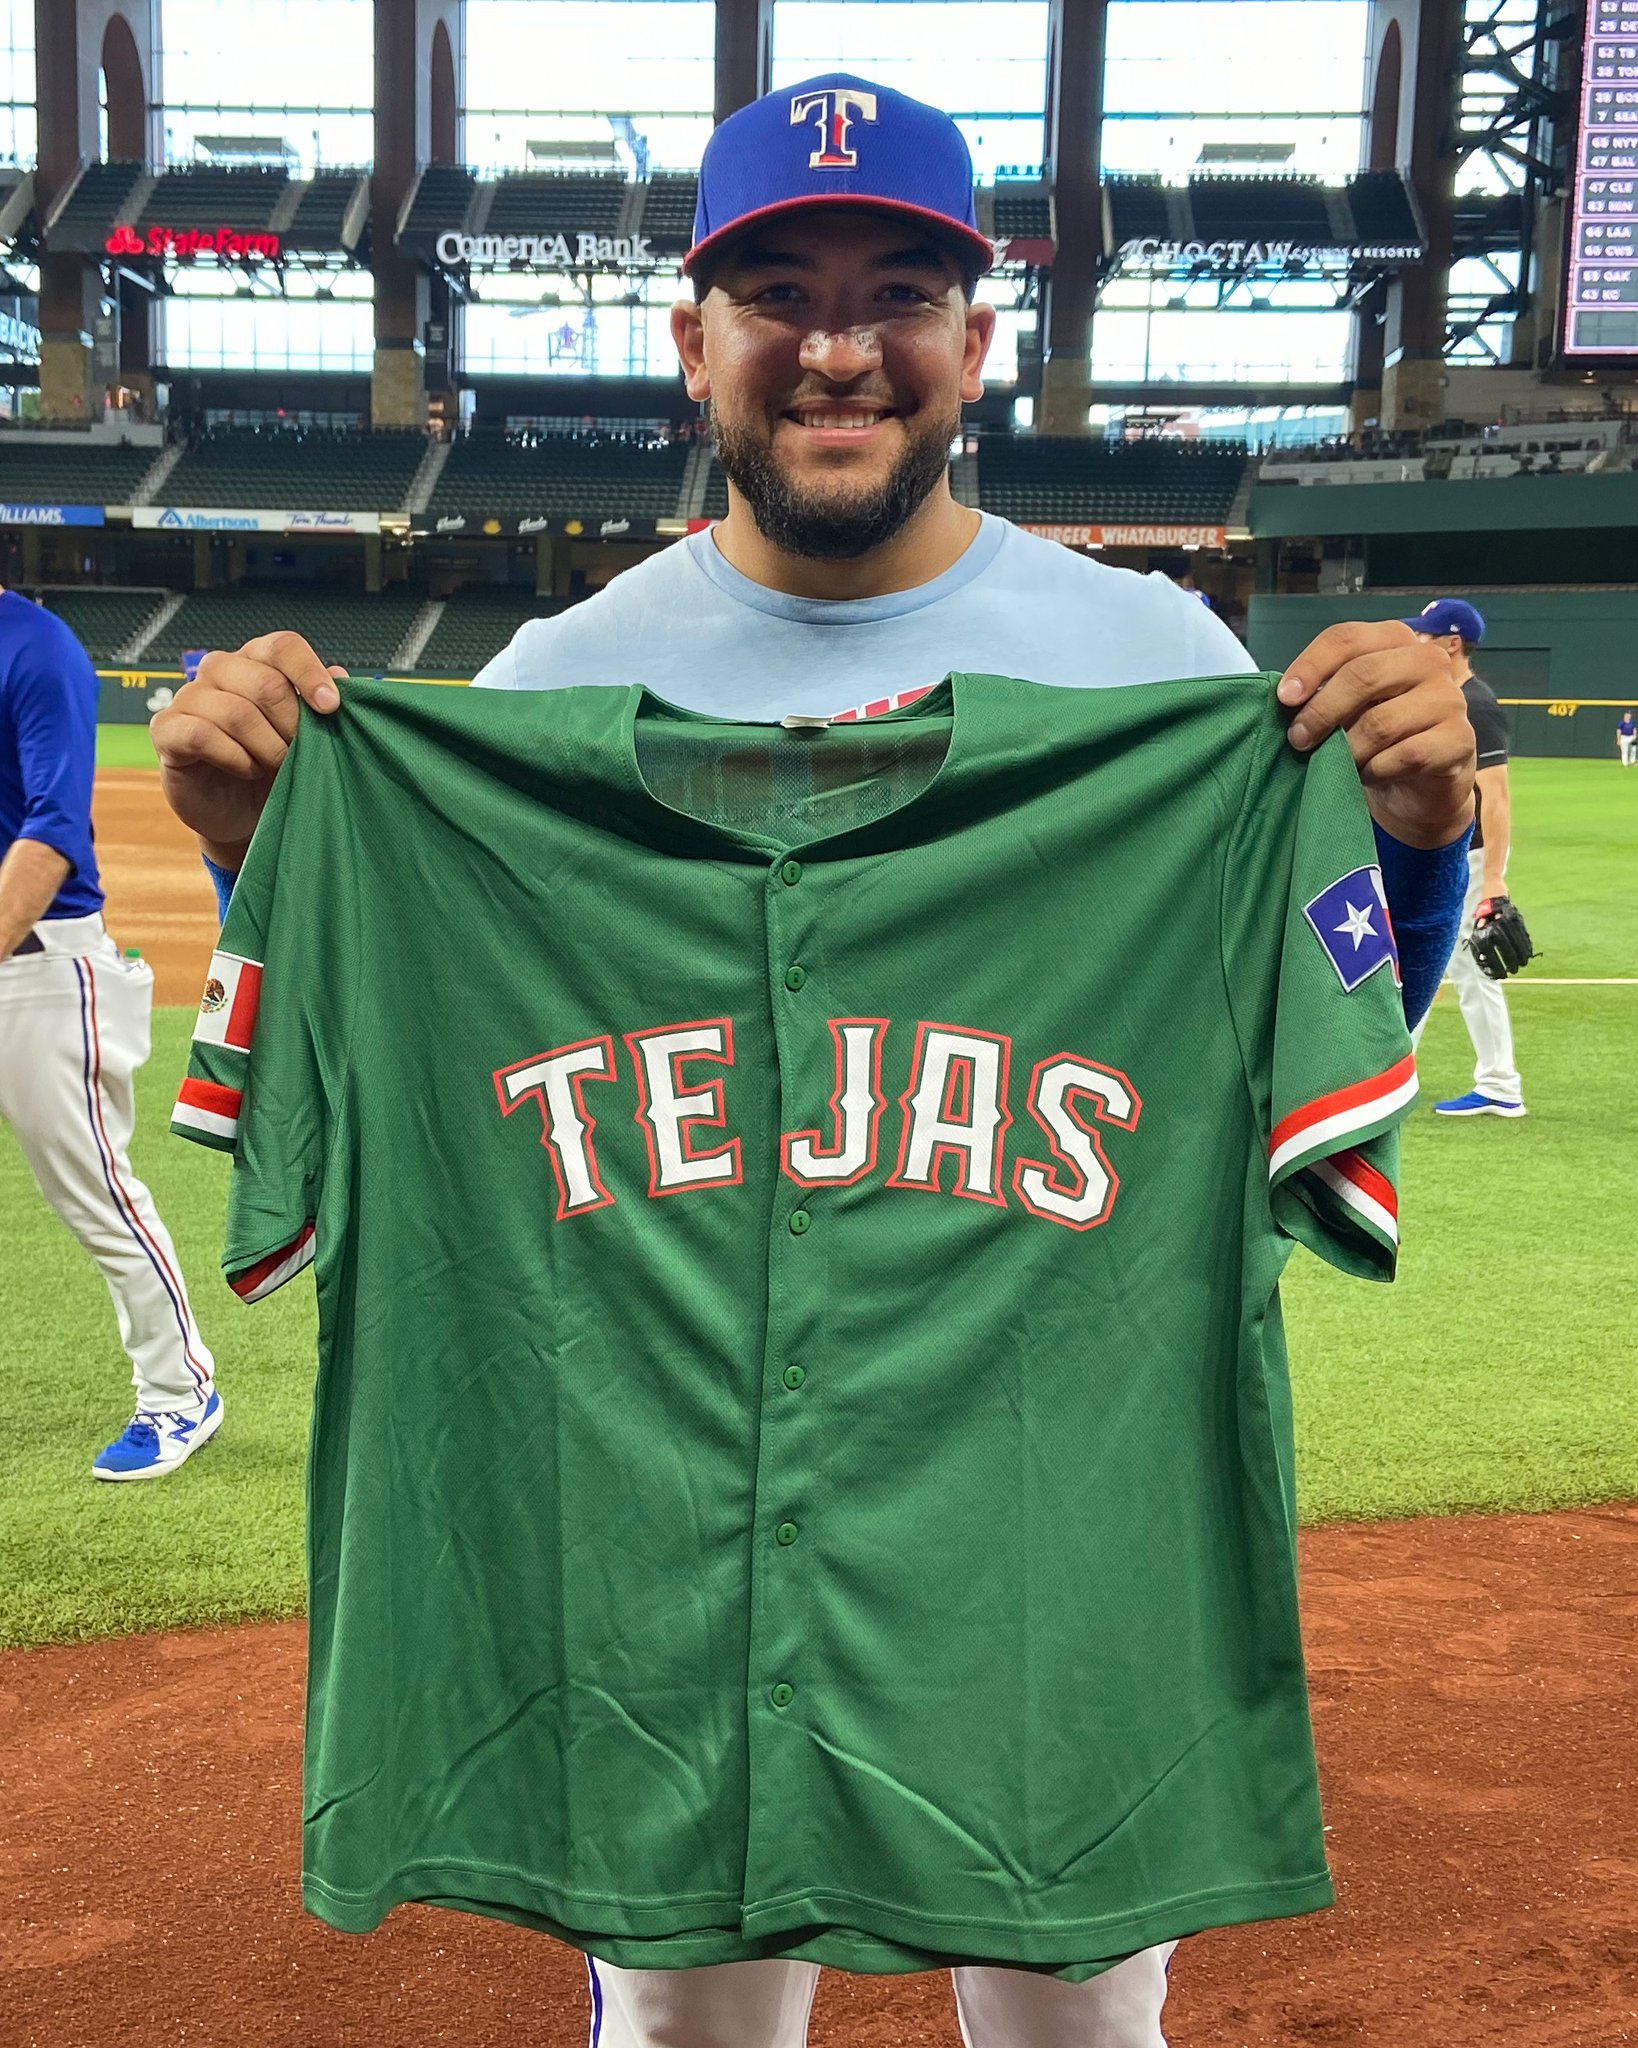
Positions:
{"x": 791, "y": 873}
{"x": 795, "y": 976}
{"x": 786, "y": 1533}
{"x": 800, "y": 1219}
{"x": 782, "y": 1695}
{"x": 794, "y": 1376}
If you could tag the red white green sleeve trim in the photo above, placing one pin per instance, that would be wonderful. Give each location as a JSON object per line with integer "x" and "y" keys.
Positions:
{"x": 209, "y": 1112}
{"x": 1331, "y": 1123}
{"x": 256, "y": 1282}
{"x": 1358, "y": 1186}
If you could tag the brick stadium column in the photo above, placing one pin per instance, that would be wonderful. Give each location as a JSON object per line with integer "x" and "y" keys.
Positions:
{"x": 415, "y": 103}
{"x": 73, "y": 39}
{"x": 1413, "y": 339}
{"x": 1074, "y": 123}
{"x": 744, "y": 50}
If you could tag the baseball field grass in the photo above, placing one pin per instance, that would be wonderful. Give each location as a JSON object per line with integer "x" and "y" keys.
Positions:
{"x": 124, "y": 746}
{"x": 1501, "y": 1371}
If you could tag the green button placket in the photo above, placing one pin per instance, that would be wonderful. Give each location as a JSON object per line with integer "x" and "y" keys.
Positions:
{"x": 785, "y": 1534}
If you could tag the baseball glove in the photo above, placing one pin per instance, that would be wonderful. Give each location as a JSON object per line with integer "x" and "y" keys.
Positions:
{"x": 1499, "y": 942}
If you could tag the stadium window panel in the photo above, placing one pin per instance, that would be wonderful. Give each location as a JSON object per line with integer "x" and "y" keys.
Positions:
{"x": 264, "y": 90}
{"x": 17, "y": 82}
{"x": 1161, "y": 346}
{"x": 616, "y": 85}
{"x": 1262, "y": 85}
{"x": 211, "y": 325}
{"x": 518, "y": 330}
{"x": 982, "y": 61}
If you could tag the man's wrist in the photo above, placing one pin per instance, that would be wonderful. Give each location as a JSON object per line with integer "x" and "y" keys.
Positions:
{"x": 1425, "y": 835}
{"x": 230, "y": 857}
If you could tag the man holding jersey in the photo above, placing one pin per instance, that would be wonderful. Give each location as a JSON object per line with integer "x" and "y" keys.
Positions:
{"x": 834, "y": 336}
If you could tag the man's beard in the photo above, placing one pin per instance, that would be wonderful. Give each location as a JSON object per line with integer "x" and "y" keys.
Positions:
{"x": 839, "y": 528}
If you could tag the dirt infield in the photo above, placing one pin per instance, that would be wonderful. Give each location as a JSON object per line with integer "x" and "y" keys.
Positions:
{"x": 1475, "y": 1694}
{"x": 159, "y": 896}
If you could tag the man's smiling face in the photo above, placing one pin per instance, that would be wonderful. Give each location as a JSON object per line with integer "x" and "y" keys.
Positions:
{"x": 835, "y": 347}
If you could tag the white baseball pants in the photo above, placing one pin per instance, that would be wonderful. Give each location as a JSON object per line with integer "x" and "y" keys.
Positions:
{"x": 1484, "y": 1007}
{"x": 1629, "y": 749}
{"x": 766, "y": 2005}
{"x": 74, "y": 1028}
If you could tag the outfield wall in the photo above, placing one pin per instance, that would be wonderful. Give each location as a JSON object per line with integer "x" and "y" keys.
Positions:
{"x": 1564, "y": 662}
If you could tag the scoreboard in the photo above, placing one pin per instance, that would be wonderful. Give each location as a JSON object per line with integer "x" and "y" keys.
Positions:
{"x": 1601, "y": 273}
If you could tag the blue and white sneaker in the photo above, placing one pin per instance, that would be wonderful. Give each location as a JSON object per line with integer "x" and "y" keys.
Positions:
{"x": 157, "y": 1441}
{"x": 1475, "y": 1104}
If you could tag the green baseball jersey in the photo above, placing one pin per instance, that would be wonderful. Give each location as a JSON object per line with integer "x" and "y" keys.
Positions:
{"x": 801, "y": 1460}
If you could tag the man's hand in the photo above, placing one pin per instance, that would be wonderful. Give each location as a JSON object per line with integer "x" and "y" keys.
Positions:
{"x": 1406, "y": 720}
{"x": 222, "y": 739}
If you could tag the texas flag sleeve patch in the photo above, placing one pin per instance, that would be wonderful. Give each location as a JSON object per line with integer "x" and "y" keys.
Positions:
{"x": 227, "y": 1010}
{"x": 1350, "y": 920}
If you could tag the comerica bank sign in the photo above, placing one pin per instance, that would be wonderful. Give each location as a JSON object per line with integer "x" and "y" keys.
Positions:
{"x": 542, "y": 252}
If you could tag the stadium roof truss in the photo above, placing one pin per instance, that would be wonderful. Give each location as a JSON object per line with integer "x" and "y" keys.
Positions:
{"x": 1513, "y": 108}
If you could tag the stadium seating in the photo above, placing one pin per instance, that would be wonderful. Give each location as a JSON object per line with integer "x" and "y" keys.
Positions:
{"x": 215, "y": 195}
{"x": 476, "y": 623}
{"x": 322, "y": 209}
{"x": 668, "y": 211}
{"x": 1023, "y": 210}
{"x": 95, "y": 200}
{"x": 716, "y": 492}
{"x": 1259, "y": 209}
{"x": 1381, "y": 208}
{"x": 316, "y": 469}
{"x": 102, "y": 620}
{"x": 80, "y": 472}
{"x": 442, "y": 195}
{"x": 1137, "y": 207}
{"x": 356, "y": 630}
{"x": 1028, "y": 478}
{"x": 488, "y": 473}
{"x": 556, "y": 203}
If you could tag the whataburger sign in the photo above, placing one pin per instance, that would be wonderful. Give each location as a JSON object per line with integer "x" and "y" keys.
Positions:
{"x": 1132, "y": 536}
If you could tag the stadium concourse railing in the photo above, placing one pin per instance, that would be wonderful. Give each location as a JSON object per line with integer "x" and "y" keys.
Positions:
{"x": 1543, "y": 726}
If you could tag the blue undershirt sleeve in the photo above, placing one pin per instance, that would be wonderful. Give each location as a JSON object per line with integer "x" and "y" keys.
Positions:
{"x": 1425, "y": 887}
{"x": 222, "y": 881}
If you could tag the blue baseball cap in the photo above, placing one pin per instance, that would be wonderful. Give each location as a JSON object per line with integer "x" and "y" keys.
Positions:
{"x": 837, "y": 141}
{"x": 1447, "y": 615}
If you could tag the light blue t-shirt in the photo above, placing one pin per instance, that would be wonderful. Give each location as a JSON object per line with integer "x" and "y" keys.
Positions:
{"x": 695, "y": 631}
{"x": 692, "y": 629}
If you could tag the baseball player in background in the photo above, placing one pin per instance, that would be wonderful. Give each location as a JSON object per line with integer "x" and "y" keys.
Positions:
{"x": 834, "y": 336}
{"x": 74, "y": 1019}
{"x": 1497, "y": 1089}
{"x": 1626, "y": 740}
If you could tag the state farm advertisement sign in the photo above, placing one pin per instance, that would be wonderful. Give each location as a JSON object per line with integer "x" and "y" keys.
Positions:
{"x": 184, "y": 245}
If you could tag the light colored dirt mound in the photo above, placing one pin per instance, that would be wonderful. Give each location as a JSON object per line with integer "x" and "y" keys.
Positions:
{"x": 159, "y": 896}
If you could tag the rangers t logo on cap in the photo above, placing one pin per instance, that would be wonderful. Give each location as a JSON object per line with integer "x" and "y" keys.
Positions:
{"x": 836, "y": 107}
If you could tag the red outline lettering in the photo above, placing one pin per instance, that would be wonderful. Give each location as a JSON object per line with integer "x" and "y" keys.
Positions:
{"x": 565, "y": 1208}
{"x": 931, "y": 1185}
{"x": 878, "y": 1029}
{"x": 1102, "y": 1113}
{"x": 718, "y": 1120}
